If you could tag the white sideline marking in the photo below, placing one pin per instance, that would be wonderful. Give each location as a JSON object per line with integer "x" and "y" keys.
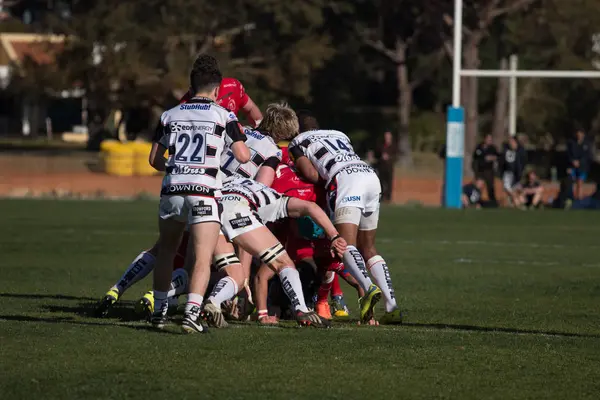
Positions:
{"x": 486, "y": 243}
{"x": 523, "y": 262}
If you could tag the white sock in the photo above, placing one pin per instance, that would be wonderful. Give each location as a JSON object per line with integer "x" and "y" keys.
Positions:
{"x": 224, "y": 290}
{"x": 160, "y": 300}
{"x": 194, "y": 302}
{"x": 292, "y": 286}
{"x": 381, "y": 275}
{"x": 137, "y": 270}
{"x": 355, "y": 264}
{"x": 179, "y": 282}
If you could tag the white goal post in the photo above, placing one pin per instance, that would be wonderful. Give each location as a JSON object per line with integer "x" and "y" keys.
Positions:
{"x": 455, "y": 137}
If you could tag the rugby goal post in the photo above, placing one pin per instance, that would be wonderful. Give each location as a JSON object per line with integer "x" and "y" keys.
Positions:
{"x": 455, "y": 128}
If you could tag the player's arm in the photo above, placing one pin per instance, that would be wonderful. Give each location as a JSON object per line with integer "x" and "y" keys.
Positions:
{"x": 266, "y": 172}
{"x": 249, "y": 107}
{"x": 252, "y": 112}
{"x": 300, "y": 208}
{"x": 303, "y": 164}
{"x": 157, "y": 159}
{"x": 157, "y": 154}
{"x": 236, "y": 136}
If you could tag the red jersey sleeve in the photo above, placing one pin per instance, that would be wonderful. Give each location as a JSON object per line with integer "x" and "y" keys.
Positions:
{"x": 186, "y": 97}
{"x": 243, "y": 95}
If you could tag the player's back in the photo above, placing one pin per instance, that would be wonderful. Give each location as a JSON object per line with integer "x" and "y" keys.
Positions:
{"x": 263, "y": 150}
{"x": 195, "y": 134}
{"x": 287, "y": 182}
{"x": 328, "y": 150}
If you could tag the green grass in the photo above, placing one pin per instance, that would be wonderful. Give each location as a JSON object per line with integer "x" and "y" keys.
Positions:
{"x": 499, "y": 305}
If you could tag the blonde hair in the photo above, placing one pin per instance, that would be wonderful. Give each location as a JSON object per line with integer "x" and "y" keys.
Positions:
{"x": 280, "y": 122}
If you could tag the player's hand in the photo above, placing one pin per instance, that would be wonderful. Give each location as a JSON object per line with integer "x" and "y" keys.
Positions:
{"x": 338, "y": 246}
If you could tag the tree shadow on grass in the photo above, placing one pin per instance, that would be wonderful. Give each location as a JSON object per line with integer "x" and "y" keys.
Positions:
{"x": 123, "y": 310}
{"x": 32, "y": 296}
{"x": 490, "y": 329}
{"x": 73, "y": 321}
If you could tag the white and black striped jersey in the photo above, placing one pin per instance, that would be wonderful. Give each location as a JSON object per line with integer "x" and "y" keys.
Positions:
{"x": 263, "y": 152}
{"x": 195, "y": 135}
{"x": 266, "y": 202}
{"x": 329, "y": 151}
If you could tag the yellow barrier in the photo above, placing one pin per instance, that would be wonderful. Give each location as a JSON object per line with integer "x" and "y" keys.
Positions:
{"x": 118, "y": 158}
{"x": 126, "y": 159}
{"x": 141, "y": 166}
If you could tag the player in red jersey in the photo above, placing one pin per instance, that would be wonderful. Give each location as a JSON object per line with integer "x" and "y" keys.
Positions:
{"x": 300, "y": 249}
{"x": 233, "y": 97}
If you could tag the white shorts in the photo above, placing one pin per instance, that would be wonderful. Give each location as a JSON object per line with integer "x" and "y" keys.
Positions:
{"x": 189, "y": 208}
{"x": 239, "y": 217}
{"x": 354, "y": 197}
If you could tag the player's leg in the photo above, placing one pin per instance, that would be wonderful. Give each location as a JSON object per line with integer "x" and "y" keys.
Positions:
{"x": 179, "y": 280}
{"x": 338, "y": 304}
{"x": 375, "y": 262}
{"x": 381, "y": 274}
{"x": 204, "y": 219}
{"x": 139, "y": 268}
{"x": 261, "y": 242}
{"x": 345, "y": 200}
{"x": 204, "y": 236}
{"x": 261, "y": 294}
{"x": 171, "y": 225}
{"x": 322, "y": 304}
{"x": 226, "y": 261}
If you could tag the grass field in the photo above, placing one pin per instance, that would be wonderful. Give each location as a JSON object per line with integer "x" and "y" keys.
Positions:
{"x": 499, "y": 305}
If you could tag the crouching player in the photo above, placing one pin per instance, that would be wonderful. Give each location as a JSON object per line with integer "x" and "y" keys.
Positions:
{"x": 246, "y": 205}
{"x": 353, "y": 198}
{"x": 302, "y": 244}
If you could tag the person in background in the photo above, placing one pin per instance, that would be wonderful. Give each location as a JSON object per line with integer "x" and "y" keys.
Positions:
{"x": 485, "y": 157}
{"x": 386, "y": 159}
{"x": 579, "y": 151}
{"x": 471, "y": 197}
{"x": 532, "y": 191}
{"x": 512, "y": 165}
{"x": 590, "y": 202}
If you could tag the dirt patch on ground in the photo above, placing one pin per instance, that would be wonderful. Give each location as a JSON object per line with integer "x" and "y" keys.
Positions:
{"x": 36, "y": 175}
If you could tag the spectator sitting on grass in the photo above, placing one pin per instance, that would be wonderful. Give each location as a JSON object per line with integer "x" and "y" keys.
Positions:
{"x": 532, "y": 191}
{"x": 471, "y": 197}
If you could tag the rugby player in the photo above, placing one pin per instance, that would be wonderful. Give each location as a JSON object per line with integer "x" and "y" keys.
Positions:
{"x": 232, "y": 96}
{"x": 195, "y": 135}
{"x": 246, "y": 205}
{"x": 353, "y": 198}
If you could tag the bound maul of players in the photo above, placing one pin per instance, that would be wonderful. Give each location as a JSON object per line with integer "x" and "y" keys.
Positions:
{"x": 222, "y": 185}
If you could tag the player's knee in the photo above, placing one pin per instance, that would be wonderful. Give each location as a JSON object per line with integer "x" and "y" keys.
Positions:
{"x": 276, "y": 257}
{"x": 229, "y": 263}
